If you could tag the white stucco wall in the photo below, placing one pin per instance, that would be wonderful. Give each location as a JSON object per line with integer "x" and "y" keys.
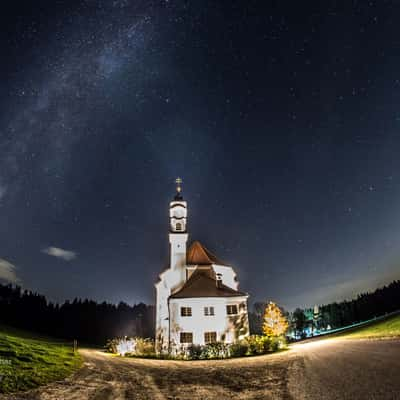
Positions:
{"x": 170, "y": 279}
{"x": 228, "y": 275}
{"x": 169, "y": 322}
{"x": 228, "y": 327}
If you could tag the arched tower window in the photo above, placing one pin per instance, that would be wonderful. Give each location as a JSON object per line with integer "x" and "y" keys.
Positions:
{"x": 178, "y": 226}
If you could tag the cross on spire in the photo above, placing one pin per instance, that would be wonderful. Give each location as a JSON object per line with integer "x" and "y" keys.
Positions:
{"x": 178, "y": 182}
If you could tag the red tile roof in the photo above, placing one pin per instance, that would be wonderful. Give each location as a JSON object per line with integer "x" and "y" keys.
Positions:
{"x": 197, "y": 254}
{"x": 203, "y": 283}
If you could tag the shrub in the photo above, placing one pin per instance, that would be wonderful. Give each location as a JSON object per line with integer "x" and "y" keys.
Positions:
{"x": 131, "y": 346}
{"x": 111, "y": 345}
{"x": 144, "y": 347}
{"x": 239, "y": 349}
{"x": 125, "y": 346}
{"x": 180, "y": 353}
{"x": 277, "y": 343}
{"x": 194, "y": 351}
{"x": 215, "y": 350}
{"x": 257, "y": 344}
{"x": 274, "y": 344}
{"x": 249, "y": 346}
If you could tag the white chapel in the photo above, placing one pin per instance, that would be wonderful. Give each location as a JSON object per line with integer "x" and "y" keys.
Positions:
{"x": 198, "y": 300}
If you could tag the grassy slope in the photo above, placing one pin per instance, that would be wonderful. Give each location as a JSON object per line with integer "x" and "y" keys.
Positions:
{"x": 383, "y": 329}
{"x": 28, "y": 360}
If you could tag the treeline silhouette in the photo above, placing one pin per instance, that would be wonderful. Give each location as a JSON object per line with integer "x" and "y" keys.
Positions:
{"x": 92, "y": 322}
{"x": 85, "y": 320}
{"x": 364, "y": 307}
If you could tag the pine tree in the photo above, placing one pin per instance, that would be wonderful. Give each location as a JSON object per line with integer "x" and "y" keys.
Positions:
{"x": 275, "y": 323}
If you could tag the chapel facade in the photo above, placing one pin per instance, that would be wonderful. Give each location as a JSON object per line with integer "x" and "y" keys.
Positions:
{"x": 197, "y": 296}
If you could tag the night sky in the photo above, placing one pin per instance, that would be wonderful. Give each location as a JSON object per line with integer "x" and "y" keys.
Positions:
{"x": 282, "y": 118}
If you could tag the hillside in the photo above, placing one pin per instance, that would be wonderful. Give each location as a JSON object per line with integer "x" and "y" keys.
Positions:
{"x": 28, "y": 360}
{"x": 383, "y": 329}
{"x": 388, "y": 327}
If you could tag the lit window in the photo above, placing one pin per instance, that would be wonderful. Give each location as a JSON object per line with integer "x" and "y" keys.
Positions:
{"x": 186, "y": 337}
{"x": 209, "y": 311}
{"x": 186, "y": 311}
{"x": 210, "y": 337}
{"x": 232, "y": 309}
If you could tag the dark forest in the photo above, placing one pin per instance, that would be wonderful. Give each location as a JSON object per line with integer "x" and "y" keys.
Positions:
{"x": 85, "y": 320}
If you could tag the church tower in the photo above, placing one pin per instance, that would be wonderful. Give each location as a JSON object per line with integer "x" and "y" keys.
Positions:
{"x": 178, "y": 228}
{"x": 197, "y": 296}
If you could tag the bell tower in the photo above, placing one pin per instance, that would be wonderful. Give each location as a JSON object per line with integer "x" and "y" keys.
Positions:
{"x": 178, "y": 235}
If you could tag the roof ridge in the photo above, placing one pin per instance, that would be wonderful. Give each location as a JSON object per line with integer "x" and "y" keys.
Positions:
{"x": 200, "y": 255}
{"x": 208, "y": 287}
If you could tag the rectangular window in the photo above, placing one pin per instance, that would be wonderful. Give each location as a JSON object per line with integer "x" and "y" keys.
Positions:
{"x": 232, "y": 309}
{"x": 209, "y": 311}
{"x": 186, "y": 311}
{"x": 210, "y": 337}
{"x": 186, "y": 337}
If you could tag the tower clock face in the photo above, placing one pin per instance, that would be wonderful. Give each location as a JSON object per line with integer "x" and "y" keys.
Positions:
{"x": 179, "y": 212}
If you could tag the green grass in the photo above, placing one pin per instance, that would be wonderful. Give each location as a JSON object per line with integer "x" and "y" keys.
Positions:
{"x": 389, "y": 328}
{"x": 28, "y": 360}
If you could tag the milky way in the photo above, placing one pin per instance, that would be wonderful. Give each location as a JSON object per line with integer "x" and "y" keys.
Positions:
{"x": 282, "y": 121}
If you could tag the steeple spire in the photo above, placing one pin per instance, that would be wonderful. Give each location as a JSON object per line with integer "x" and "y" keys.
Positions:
{"x": 178, "y": 182}
{"x": 178, "y": 235}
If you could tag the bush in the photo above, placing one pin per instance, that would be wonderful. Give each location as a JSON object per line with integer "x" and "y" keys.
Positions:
{"x": 277, "y": 343}
{"x": 257, "y": 344}
{"x": 194, "y": 351}
{"x": 215, "y": 350}
{"x": 249, "y": 346}
{"x": 131, "y": 346}
{"x": 239, "y": 349}
{"x": 111, "y": 345}
{"x": 144, "y": 347}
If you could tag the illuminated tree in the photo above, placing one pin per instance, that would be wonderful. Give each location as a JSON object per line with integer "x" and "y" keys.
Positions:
{"x": 275, "y": 323}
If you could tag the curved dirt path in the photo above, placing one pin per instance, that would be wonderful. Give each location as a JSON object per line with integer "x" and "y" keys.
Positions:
{"x": 326, "y": 369}
{"x": 114, "y": 378}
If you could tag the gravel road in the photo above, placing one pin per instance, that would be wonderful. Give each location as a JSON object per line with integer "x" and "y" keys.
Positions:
{"x": 327, "y": 369}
